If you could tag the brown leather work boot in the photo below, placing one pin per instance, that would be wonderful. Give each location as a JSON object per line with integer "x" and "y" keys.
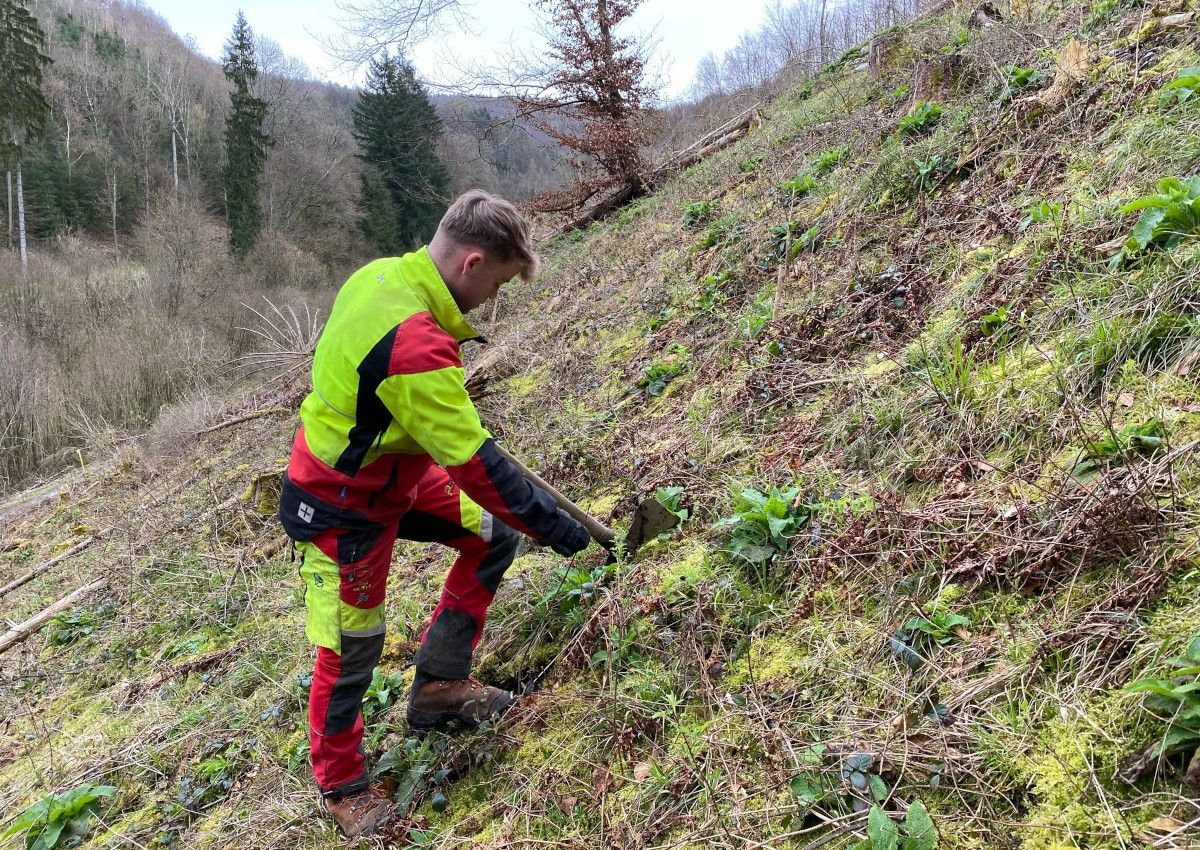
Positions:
{"x": 361, "y": 813}
{"x": 438, "y": 701}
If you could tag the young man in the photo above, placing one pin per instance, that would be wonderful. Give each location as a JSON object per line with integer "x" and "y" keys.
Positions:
{"x": 391, "y": 446}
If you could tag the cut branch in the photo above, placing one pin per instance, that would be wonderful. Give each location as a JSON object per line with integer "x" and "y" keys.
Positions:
{"x": 20, "y": 632}
{"x": 37, "y": 571}
{"x": 717, "y": 140}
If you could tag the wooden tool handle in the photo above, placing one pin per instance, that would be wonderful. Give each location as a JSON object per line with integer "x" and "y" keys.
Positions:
{"x": 601, "y": 533}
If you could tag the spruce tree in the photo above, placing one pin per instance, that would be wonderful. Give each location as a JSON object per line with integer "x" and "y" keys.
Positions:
{"x": 404, "y": 183}
{"x": 23, "y": 108}
{"x": 245, "y": 142}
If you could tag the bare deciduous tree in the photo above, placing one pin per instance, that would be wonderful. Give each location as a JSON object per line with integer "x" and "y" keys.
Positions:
{"x": 369, "y": 27}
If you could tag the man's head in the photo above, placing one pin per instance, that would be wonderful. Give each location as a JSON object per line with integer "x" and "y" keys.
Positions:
{"x": 481, "y": 243}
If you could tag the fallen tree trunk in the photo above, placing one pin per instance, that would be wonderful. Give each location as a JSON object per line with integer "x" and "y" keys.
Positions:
{"x": 20, "y": 632}
{"x": 717, "y": 140}
{"x": 37, "y": 571}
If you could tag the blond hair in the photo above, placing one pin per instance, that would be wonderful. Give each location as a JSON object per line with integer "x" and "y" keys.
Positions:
{"x": 485, "y": 221}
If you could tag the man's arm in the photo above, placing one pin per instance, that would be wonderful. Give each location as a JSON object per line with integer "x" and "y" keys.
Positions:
{"x": 433, "y": 407}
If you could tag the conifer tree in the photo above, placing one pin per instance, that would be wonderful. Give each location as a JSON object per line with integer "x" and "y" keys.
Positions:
{"x": 23, "y": 107}
{"x": 404, "y": 183}
{"x": 245, "y": 142}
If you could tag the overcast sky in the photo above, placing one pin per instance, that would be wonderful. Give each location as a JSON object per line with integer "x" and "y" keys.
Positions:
{"x": 687, "y": 30}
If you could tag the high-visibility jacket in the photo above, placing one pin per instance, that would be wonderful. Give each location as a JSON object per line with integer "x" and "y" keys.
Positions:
{"x": 388, "y": 400}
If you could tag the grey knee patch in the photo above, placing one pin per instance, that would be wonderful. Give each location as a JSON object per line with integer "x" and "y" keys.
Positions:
{"x": 446, "y": 650}
{"x": 501, "y": 552}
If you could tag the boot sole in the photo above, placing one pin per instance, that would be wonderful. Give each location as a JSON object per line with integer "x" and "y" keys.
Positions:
{"x": 425, "y": 721}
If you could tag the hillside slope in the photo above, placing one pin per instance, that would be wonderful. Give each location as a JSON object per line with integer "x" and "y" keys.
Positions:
{"x": 954, "y": 441}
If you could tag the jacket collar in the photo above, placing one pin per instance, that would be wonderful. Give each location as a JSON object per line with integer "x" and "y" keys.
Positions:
{"x": 427, "y": 282}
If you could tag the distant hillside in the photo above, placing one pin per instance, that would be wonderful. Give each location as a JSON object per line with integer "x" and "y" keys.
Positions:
{"x": 121, "y": 79}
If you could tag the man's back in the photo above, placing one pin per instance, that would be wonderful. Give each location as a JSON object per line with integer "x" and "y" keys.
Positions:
{"x": 387, "y": 374}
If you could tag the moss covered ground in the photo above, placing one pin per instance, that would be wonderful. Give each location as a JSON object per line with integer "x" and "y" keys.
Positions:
{"x": 986, "y": 430}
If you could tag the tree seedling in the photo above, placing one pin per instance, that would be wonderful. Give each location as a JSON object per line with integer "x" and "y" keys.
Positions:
{"x": 1042, "y": 212}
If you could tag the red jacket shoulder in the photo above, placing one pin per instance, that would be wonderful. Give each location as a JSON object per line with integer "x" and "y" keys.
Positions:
{"x": 422, "y": 346}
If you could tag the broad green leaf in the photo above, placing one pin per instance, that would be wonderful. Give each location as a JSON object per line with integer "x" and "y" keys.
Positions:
{"x": 50, "y": 834}
{"x": 1157, "y": 686}
{"x": 919, "y": 826}
{"x": 1143, "y": 231}
{"x": 1193, "y": 650}
{"x": 878, "y": 789}
{"x": 881, "y": 830}
{"x": 1178, "y": 740}
{"x": 806, "y": 790}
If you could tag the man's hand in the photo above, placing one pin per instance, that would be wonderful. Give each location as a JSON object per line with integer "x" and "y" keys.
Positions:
{"x": 570, "y": 537}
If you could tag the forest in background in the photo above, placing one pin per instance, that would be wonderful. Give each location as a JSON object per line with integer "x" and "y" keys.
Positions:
{"x": 133, "y": 301}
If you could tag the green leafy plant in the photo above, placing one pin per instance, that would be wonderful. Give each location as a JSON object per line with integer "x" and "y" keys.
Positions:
{"x": 69, "y": 626}
{"x": 958, "y": 41}
{"x": 1039, "y": 214}
{"x": 949, "y": 370}
{"x": 916, "y": 641}
{"x": 621, "y": 651}
{"x": 917, "y": 833}
{"x": 670, "y": 498}
{"x": 1175, "y": 700}
{"x": 1182, "y": 89}
{"x": 763, "y": 524}
{"x": 1169, "y": 216}
{"x": 724, "y": 231}
{"x": 792, "y": 239}
{"x": 60, "y": 820}
{"x": 857, "y": 774}
{"x": 926, "y": 173}
{"x": 792, "y": 190}
{"x": 715, "y": 289}
{"x": 1113, "y": 448}
{"x": 1150, "y": 342}
{"x": 576, "y": 587}
{"x": 382, "y": 692}
{"x": 1016, "y": 79}
{"x": 924, "y": 116}
{"x": 754, "y": 318}
{"x": 658, "y": 374}
{"x": 998, "y": 325}
{"x": 750, "y": 163}
{"x": 826, "y": 161}
{"x": 698, "y": 212}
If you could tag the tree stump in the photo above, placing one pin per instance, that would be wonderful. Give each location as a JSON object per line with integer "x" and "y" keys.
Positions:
{"x": 984, "y": 16}
{"x": 880, "y": 50}
{"x": 934, "y": 78}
